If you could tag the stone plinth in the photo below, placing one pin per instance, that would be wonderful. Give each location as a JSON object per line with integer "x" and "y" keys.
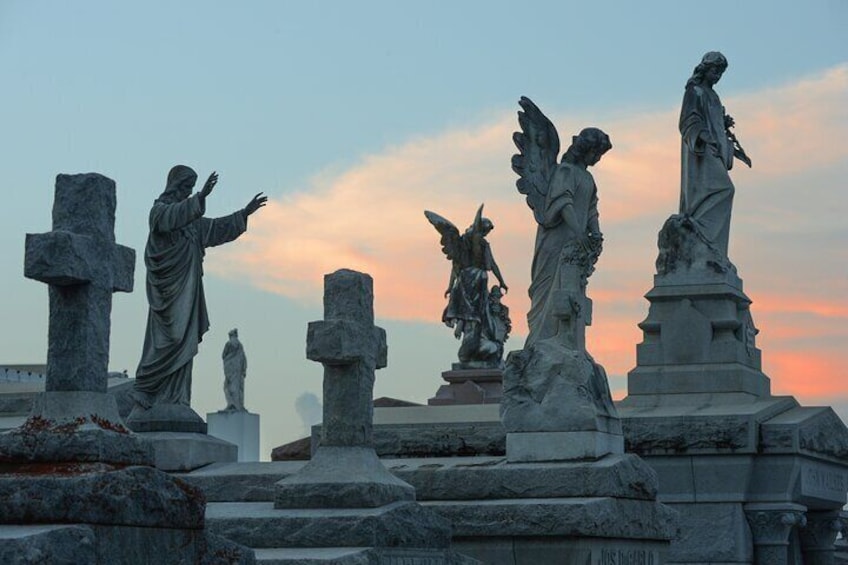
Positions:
{"x": 469, "y": 386}
{"x": 177, "y": 435}
{"x": 751, "y": 469}
{"x": 238, "y": 427}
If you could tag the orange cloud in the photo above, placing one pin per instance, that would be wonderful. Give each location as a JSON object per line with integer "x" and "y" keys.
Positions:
{"x": 370, "y": 217}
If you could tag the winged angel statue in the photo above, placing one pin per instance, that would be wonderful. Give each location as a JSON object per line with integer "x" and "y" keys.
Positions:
{"x": 564, "y": 201}
{"x": 475, "y": 313}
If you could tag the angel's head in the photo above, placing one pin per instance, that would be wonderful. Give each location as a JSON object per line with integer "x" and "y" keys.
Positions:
{"x": 587, "y": 147}
{"x": 712, "y": 66}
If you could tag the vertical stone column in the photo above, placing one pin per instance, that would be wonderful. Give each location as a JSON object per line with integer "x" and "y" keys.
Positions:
{"x": 818, "y": 536}
{"x": 770, "y": 526}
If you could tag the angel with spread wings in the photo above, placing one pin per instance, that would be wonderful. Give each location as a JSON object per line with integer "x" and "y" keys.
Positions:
{"x": 469, "y": 310}
{"x": 564, "y": 201}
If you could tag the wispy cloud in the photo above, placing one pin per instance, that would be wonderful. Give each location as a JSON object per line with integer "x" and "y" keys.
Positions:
{"x": 370, "y": 217}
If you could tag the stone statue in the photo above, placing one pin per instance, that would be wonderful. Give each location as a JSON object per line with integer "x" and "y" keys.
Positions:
{"x": 469, "y": 309}
{"x": 235, "y": 371}
{"x": 707, "y": 151}
{"x": 177, "y": 318}
{"x": 564, "y": 201}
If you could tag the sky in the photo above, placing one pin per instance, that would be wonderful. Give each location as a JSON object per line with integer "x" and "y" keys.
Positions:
{"x": 354, "y": 117}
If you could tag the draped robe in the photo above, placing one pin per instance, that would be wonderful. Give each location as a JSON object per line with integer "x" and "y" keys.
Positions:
{"x": 556, "y": 242}
{"x": 177, "y": 317}
{"x": 706, "y": 191}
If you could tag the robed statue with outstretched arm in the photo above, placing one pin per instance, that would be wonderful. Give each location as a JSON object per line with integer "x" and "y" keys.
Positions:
{"x": 477, "y": 318}
{"x": 177, "y": 316}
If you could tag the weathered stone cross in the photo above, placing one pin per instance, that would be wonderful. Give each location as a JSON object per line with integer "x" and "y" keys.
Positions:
{"x": 83, "y": 265}
{"x": 351, "y": 347}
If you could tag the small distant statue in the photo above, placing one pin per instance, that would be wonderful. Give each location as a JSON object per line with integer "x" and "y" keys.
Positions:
{"x": 708, "y": 149}
{"x": 177, "y": 317}
{"x": 235, "y": 371}
{"x": 564, "y": 201}
{"x": 471, "y": 310}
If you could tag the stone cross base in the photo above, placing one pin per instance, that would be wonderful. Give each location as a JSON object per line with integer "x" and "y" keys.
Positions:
{"x": 238, "y": 427}
{"x": 342, "y": 477}
{"x": 528, "y": 447}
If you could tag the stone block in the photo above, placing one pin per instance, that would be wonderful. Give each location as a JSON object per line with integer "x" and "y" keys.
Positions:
{"x": 98, "y": 494}
{"x": 237, "y": 427}
{"x": 561, "y": 446}
{"x": 55, "y": 544}
{"x": 722, "y": 478}
{"x": 181, "y": 451}
{"x": 711, "y": 533}
{"x": 583, "y": 551}
{"x": 260, "y": 525}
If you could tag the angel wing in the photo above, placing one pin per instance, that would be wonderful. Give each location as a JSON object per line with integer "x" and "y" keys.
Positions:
{"x": 538, "y": 144}
{"x": 453, "y": 245}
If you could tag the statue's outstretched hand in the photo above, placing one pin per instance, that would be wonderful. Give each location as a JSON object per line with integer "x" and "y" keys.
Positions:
{"x": 255, "y": 204}
{"x": 209, "y": 185}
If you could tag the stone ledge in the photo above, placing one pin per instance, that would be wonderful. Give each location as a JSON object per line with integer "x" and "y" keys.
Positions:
{"x": 132, "y": 496}
{"x": 260, "y": 525}
{"x": 571, "y": 517}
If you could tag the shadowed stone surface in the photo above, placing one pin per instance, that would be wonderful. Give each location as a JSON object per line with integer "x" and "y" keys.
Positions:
{"x": 54, "y": 544}
{"x": 400, "y": 524}
{"x": 98, "y": 494}
{"x": 454, "y": 478}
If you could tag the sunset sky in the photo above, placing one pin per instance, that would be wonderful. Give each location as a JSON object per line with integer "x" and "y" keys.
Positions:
{"x": 354, "y": 117}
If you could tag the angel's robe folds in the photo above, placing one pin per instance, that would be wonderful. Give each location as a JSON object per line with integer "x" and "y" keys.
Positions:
{"x": 177, "y": 317}
{"x": 706, "y": 191}
{"x": 556, "y": 242}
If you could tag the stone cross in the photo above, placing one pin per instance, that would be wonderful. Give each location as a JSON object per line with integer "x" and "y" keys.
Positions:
{"x": 350, "y": 347}
{"x": 83, "y": 265}
{"x": 572, "y": 308}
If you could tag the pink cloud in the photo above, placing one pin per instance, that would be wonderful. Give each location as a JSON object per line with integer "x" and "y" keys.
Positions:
{"x": 370, "y": 217}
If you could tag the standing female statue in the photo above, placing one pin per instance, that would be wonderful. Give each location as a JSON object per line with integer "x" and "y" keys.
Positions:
{"x": 707, "y": 151}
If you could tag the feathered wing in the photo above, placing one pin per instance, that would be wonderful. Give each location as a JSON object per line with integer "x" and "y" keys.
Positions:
{"x": 538, "y": 144}
{"x": 453, "y": 245}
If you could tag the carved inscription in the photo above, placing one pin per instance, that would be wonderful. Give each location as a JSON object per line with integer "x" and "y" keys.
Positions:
{"x": 627, "y": 557}
{"x": 823, "y": 482}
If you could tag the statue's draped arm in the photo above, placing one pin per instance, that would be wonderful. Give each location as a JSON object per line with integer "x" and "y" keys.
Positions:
{"x": 169, "y": 217}
{"x": 693, "y": 121}
{"x": 217, "y": 231}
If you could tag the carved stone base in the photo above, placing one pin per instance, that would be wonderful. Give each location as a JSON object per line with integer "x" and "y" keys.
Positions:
{"x": 469, "y": 386}
{"x": 342, "y": 477}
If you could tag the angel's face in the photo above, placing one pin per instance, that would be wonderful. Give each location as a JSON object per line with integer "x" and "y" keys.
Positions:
{"x": 592, "y": 157}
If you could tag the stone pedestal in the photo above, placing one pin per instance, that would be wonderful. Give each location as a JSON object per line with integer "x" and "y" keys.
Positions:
{"x": 746, "y": 470}
{"x": 469, "y": 386}
{"x": 238, "y": 427}
{"x": 177, "y": 435}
